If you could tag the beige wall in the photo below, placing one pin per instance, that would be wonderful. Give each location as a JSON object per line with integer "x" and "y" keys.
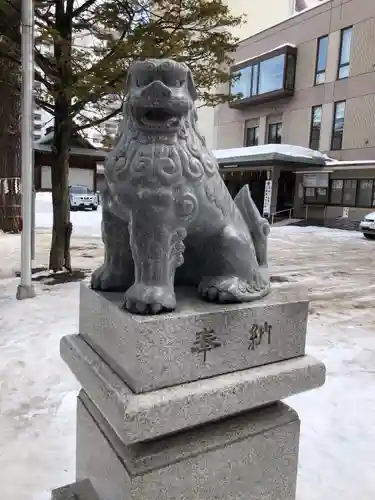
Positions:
{"x": 259, "y": 15}
{"x": 358, "y": 90}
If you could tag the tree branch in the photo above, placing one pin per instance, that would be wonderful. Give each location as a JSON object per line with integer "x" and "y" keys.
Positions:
{"x": 85, "y": 6}
{"x": 45, "y": 65}
{"x": 95, "y": 96}
{"x": 45, "y": 105}
{"x": 93, "y": 123}
{"x": 16, "y": 60}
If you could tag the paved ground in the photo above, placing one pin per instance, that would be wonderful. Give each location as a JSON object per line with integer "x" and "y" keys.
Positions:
{"x": 37, "y": 391}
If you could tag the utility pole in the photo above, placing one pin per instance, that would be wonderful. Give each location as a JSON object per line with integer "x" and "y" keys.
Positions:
{"x": 25, "y": 289}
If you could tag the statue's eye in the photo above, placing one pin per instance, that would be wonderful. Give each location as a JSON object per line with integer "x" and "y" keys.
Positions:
{"x": 143, "y": 81}
{"x": 173, "y": 82}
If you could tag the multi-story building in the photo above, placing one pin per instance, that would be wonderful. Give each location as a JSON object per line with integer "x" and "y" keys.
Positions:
{"x": 41, "y": 117}
{"x": 43, "y": 120}
{"x": 259, "y": 16}
{"x": 310, "y": 81}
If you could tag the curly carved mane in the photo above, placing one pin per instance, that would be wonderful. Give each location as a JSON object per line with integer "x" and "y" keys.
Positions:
{"x": 190, "y": 145}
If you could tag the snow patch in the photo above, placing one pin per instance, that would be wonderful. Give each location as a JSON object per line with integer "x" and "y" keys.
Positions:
{"x": 38, "y": 391}
{"x": 285, "y": 150}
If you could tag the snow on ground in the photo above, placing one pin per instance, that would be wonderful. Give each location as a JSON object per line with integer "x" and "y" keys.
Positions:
{"x": 37, "y": 391}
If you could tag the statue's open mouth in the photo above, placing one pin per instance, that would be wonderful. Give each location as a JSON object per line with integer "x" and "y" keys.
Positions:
{"x": 157, "y": 118}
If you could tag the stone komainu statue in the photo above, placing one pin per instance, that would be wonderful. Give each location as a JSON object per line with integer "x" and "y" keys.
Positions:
{"x": 168, "y": 218}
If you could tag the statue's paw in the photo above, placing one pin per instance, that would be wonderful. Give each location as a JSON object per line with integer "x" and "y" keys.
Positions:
{"x": 232, "y": 289}
{"x": 146, "y": 299}
{"x": 108, "y": 279}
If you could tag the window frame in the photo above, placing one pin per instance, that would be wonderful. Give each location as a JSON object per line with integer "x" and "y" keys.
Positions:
{"x": 339, "y": 204}
{"x": 255, "y": 127}
{"x": 312, "y": 124}
{"x": 333, "y": 126}
{"x": 320, "y": 72}
{"x": 289, "y": 54}
{"x": 341, "y": 65}
{"x": 315, "y": 201}
{"x": 261, "y": 74}
{"x": 358, "y": 182}
{"x": 278, "y": 125}
{"x": 355, "y": 195}
{"x": 372, "y": 205}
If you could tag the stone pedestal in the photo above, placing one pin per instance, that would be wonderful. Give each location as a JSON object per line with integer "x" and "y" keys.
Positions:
{"x": 187, "y": 405}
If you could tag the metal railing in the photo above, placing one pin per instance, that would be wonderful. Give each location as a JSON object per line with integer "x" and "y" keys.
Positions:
{"x": 306, "y": 207}
{"x": 289, "y": 210}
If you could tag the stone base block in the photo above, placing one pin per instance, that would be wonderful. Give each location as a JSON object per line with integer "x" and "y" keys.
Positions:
{"x": 141, "y": 417}
{"x": 197, "y": 341}
{"x": 81, "y": 490}
{"x": 252, "y": 456}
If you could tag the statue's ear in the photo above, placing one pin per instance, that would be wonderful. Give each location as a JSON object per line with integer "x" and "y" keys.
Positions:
{"x": 191, "y": 86}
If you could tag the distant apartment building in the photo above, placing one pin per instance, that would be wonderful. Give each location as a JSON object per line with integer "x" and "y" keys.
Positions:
{"x": 40, "y": 116}
{"x": 96, "y": 135}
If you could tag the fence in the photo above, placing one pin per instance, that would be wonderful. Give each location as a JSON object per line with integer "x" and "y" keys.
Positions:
{"x": 10, "y": 204}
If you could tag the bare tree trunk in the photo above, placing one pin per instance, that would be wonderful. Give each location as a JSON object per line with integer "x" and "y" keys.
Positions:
{"x": 62, "y": 227}
{"x": 10, "y": 146}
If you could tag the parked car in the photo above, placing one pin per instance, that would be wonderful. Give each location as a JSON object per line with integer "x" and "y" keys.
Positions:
{"x": 367, "y": 226}
{"x": 81, "y": 197}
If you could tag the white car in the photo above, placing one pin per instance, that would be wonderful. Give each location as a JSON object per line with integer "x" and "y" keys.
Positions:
{"x": 367, "y": 226}
{"x": 81, "y": 197}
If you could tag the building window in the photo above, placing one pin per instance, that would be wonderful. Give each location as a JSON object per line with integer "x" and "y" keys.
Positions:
{"x": 252, "y": 136}
{"x": 316, "y": 123}
{"x": 338, "y": 125}
{"x": 290, "y": 77}
{"x": 344, "y": 58}
{"x": 350, "y": 193}
{"x": 353, "y": 192}
{"x": 318, "y": 195}
{"x": 271, "y": 74}
{"x": 241, "y": 85}
{"x": 274, "y": 133}
{"x": 321, "y": 60}
{"x": 365, "y": 193}
{"x": 265, "y": 75}
{"x": 336, "y": 192}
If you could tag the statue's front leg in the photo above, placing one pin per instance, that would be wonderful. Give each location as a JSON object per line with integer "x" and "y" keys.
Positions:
{"x": 157, "y": 248}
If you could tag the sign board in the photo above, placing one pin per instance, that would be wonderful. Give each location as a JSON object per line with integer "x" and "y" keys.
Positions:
{"x": 319, "y": 180}
{"x": 345, "y": 212}
{"x": 267, "y": 198}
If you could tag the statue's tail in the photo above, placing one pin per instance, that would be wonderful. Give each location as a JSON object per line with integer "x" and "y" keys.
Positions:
{"x": 258, "y": 225}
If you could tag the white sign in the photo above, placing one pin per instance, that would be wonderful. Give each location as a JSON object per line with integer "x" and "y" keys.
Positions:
{"x": 267, "y": 198}
{"x": 320, "y": 180}
{"x": 345, "y": 212}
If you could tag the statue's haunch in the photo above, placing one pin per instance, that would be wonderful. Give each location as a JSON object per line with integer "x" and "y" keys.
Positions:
{"x": 168, "y": 218}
